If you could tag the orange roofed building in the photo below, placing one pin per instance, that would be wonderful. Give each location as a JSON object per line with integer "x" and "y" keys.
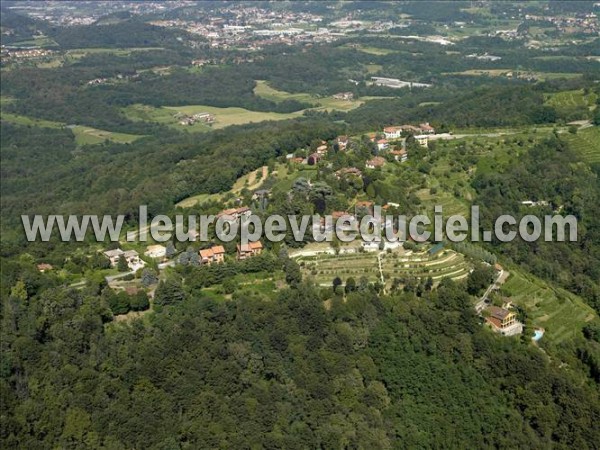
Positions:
{"x": 248, "y": 250}
{"x": 215, "y": 254}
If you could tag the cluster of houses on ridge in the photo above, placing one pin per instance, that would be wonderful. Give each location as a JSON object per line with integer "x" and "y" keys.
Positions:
{"x": 212, "y": 255}
{"x": 384, "y": 142}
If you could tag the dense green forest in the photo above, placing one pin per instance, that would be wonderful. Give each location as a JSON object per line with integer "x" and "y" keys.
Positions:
{"x": 375, "y": 372}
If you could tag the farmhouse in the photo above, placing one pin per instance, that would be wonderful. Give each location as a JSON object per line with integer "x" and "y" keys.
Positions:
{"x": 248, "y": 250}
{"x": 376, "y": 162}
{"x": 344, "y": 96}
{"x": 215, "y": 254}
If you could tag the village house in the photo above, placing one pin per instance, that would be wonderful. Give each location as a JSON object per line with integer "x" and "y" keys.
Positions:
{"x": 131, "y": 257}
{"x": 113, "y": 256}
{"x": 233, "y": 214}
{"x": 313, "y": 159}
{"x": 44, "y": 267}
{"x": 400, "y": 155}
{"x": 353, "y": 171}
{"x": 156, "y": 251}
{"x": 248, "y": 250}
{"x": 382, "y": 144}
{"x": 133, "y": 260}
{"x": 422, "y": 140}
{"x": 392, "y": 132}
{"x": 503, "y": 321}
{"x": 215, "y": 254}
{"x": 322, "y": 149}
{"x": 376, "y": 162}
{"x": 342, "y": 142}
{"x": 426, "y": 128}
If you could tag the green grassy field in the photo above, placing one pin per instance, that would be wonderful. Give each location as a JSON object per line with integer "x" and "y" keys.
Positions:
{"x": 251, "y": 181}
{"x": 83, "y": 135}
{"x": 90, "y": 136}
{"x": 587, "y": 143}
{"x": 375, "y": 50}
{"x": 559, "y": 312}
{"x": 238, "y": 116}
{"x": 263, "y": 90}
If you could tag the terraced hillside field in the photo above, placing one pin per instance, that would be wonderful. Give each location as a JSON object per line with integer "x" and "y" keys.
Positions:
{"x": 559, "y": 312}
{"x": 587, "y": 143}
{"x": 397, "y": 264}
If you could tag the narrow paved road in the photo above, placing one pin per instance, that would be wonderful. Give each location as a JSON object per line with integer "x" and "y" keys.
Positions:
{"x": 502, "y": 276}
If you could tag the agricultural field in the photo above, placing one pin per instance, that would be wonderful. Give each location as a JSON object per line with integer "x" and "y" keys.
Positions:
{"x": 569, "y": 100}
{"x": 559, "y": 312}
{"x": 396, "y": 263}
{"x": 587, "y": 143}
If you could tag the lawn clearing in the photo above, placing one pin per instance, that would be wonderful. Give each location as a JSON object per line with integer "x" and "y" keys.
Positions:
{"x": 265, "y": 91}
{"x": 232, "y": 115}
{"x": 83, "y": 135}
{"x": 250, "y": 181}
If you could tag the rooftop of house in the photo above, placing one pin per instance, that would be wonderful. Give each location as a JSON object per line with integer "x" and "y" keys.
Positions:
{"x": 113, "y": 253}
{"x": 210, "y": 252}
{"x": 498, "y": 313}
{"x": 377, "y": 161}
{"x": 249, "y": 247}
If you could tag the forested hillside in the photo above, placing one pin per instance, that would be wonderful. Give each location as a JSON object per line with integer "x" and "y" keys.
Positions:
{"x": 295, "y": 109}
{"x": 373, "y": 372}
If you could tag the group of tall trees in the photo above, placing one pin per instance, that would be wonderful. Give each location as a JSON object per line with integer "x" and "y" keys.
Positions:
{"x": 368, "y": 371}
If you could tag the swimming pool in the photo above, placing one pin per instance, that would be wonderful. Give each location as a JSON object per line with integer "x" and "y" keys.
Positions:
{"x": 537, "y": 335}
